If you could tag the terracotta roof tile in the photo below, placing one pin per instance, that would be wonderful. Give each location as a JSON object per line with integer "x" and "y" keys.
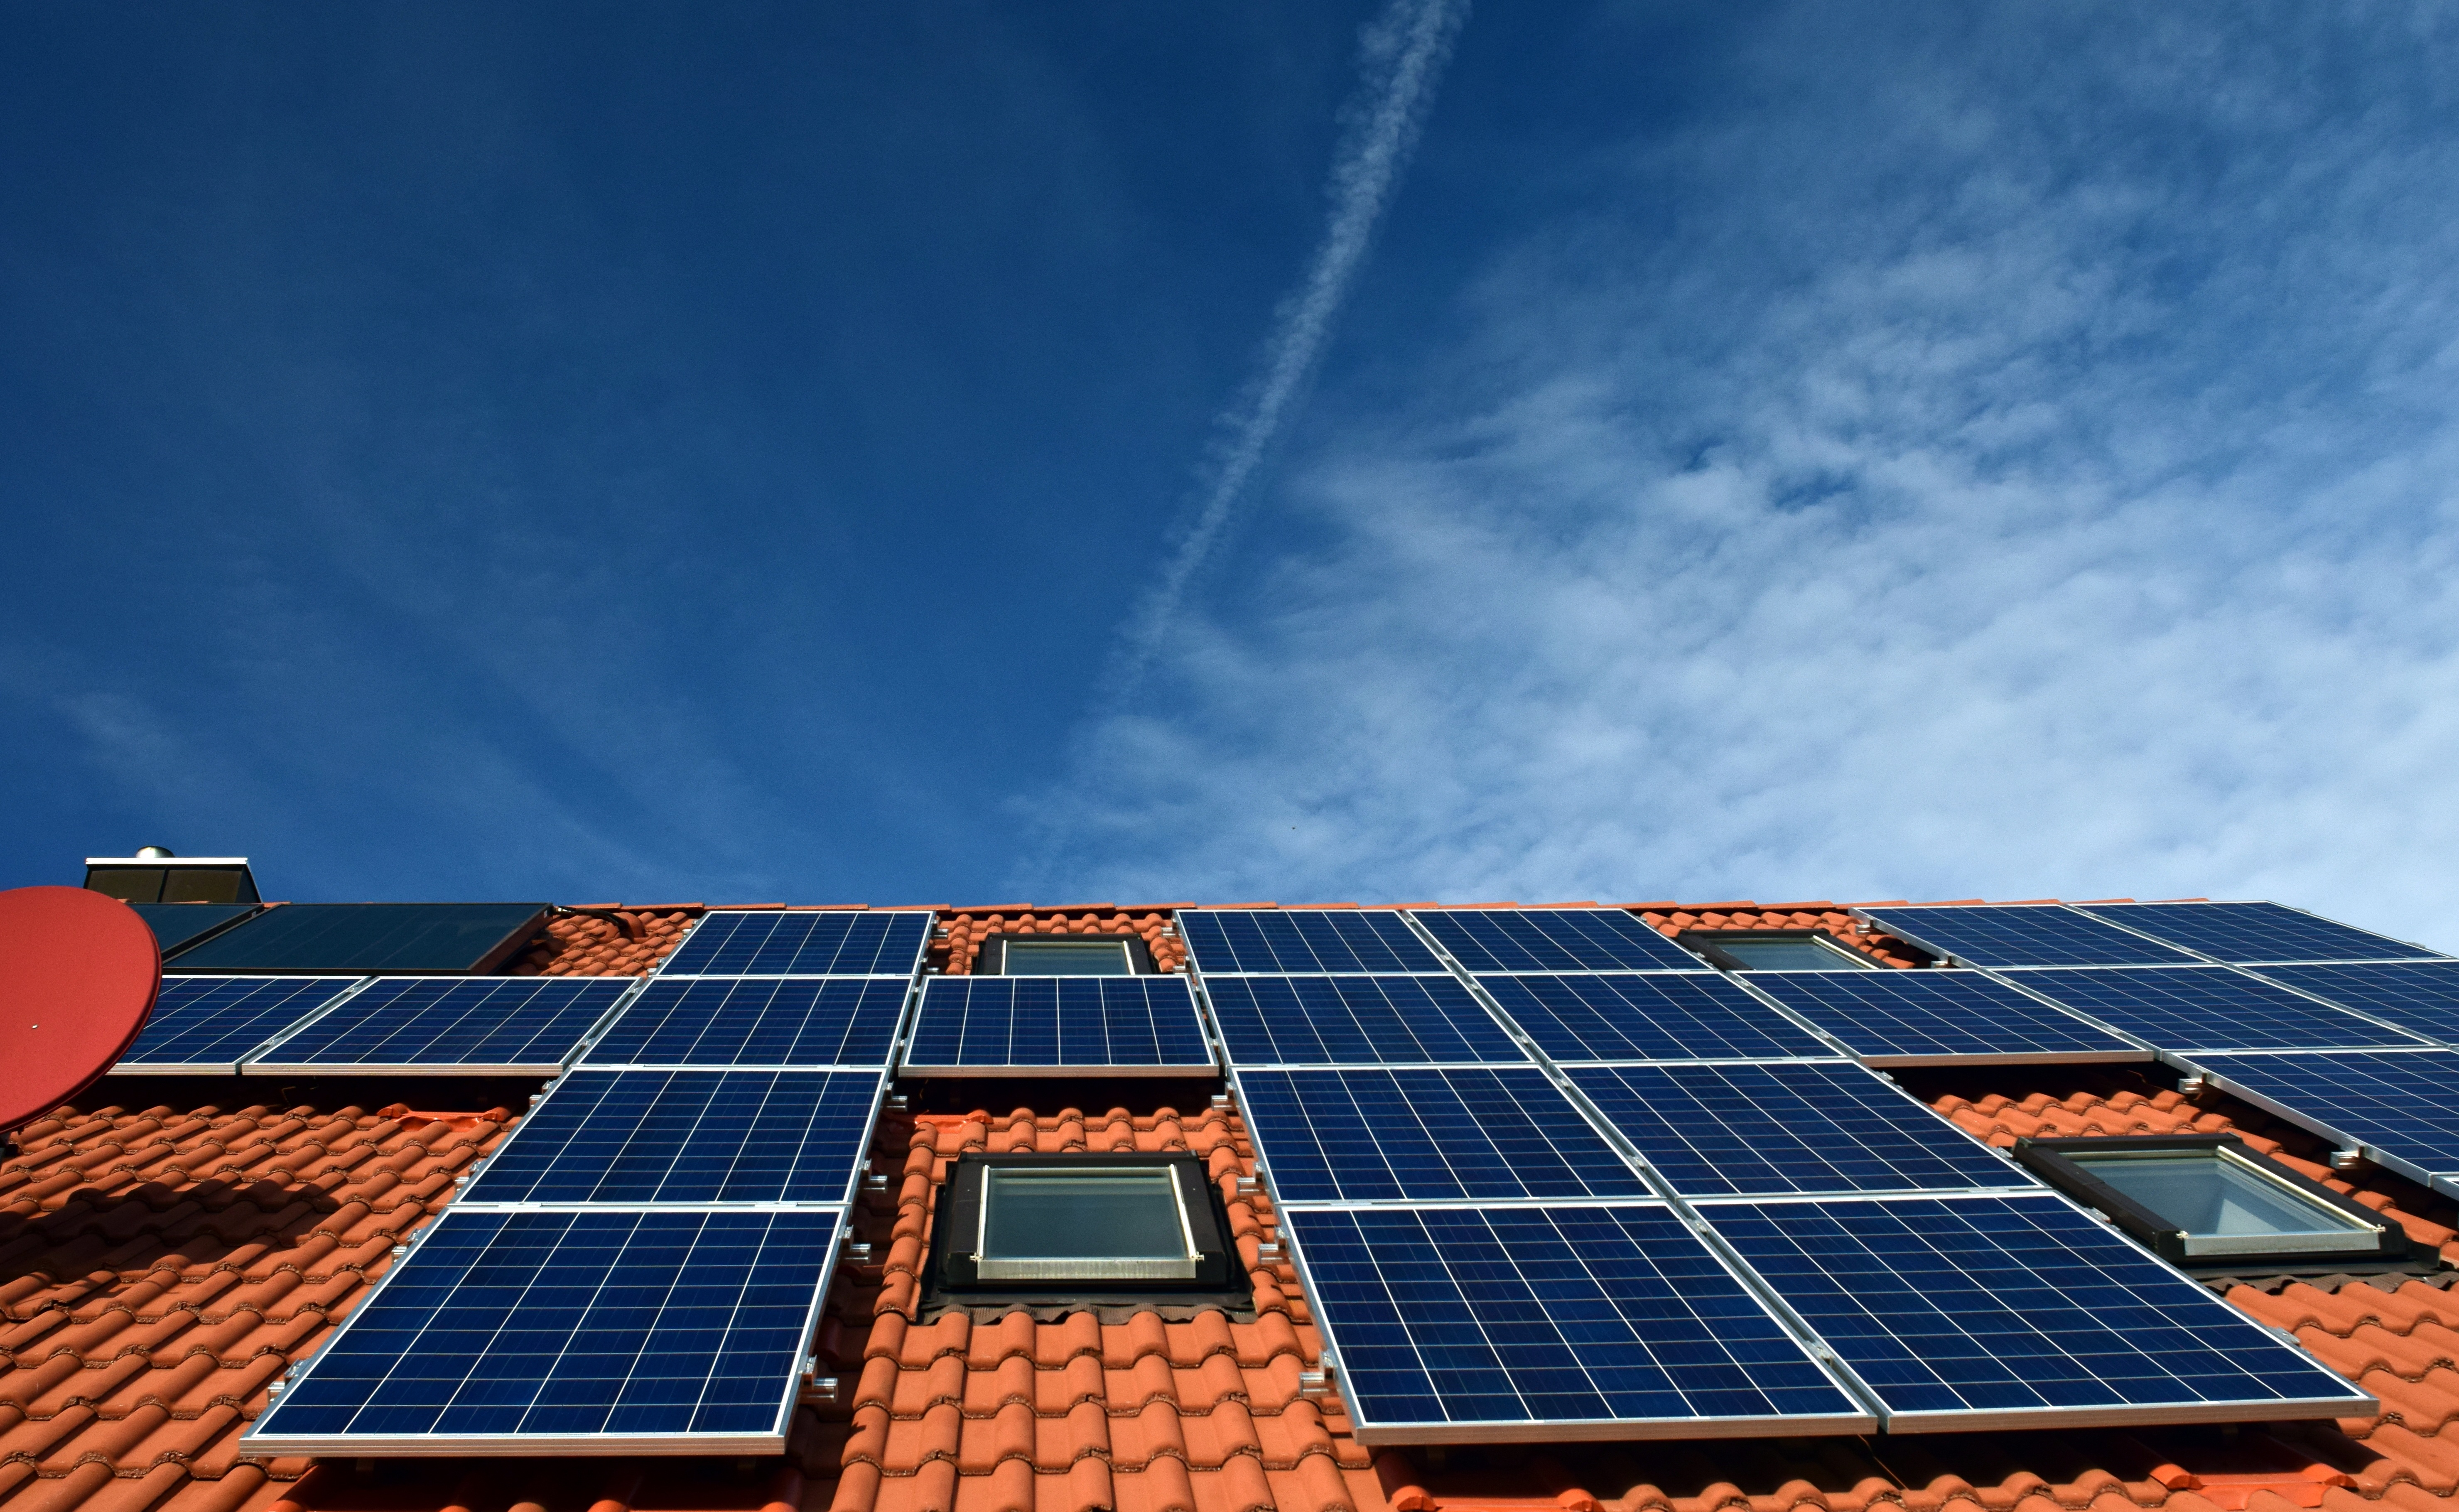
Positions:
{"x": 606, "y": 941}
{"x": 968, "y": 928}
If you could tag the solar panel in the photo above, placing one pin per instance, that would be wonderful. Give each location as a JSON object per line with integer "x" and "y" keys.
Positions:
{"x": 1659, "y": 1017}
{"x": 686, "y": 1137}
{"x": 1567, "y": 1322}
{"x": 177, "y": 924}
{"x": 773, "y": 942}
{"x": 2208, "y": 1008}
{"x": 1363, "y": 1020}
{"x": 600, "y": 1329}
{"x": 370, "y": 939}
{"x": 1553, "y": 940}
{"x": 1788, "y": 1128}
{"x": 2021, "y": 935}
{"x": 206, "y": 1024}
{"x": 1983, "y": 1313}
{"x": 1039, "y": 1025}
{"x": 438, "y": 1025}
{"x": 1939, "y": 1017}
{"x": 1304, "y": 940}
{"x": 2247, "y": 933}
{"x": 756, "y": 1021}
{"x": 2399, "y": 1106}
{"x": 1426, "y": 1134}
{"x": 2418, "y": 996}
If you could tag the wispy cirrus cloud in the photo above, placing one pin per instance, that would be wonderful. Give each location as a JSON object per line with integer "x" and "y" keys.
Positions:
{"x": 2031, "y": 476}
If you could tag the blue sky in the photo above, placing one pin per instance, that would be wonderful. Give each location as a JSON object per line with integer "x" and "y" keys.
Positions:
{"x": 977, "y": 453}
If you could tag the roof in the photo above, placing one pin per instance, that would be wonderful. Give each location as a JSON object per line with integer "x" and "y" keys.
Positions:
{"x": 159, "y": 1268}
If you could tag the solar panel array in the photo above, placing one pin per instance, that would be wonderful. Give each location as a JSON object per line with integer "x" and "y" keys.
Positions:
{"x": 504, "y": 1025}
{"x": 209, "y": 1024}
{"x": 1970, "y": 1313}
{"x": 2420, "y": 997}
{"x": 1939, "y": 1017}
{"x": 2252, "y": 934}
{"x": 1051, "y": 1025}
{"x": 1546, "y": 1175}
{"x": 2184, "y": 1009}
{"x": 2397, "y": 1105}
{"x": 2023, "y": 935}
{"x": 640, "y": 1265}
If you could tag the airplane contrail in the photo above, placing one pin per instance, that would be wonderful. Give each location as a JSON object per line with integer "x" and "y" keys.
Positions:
{"x": 1404, "y": 51}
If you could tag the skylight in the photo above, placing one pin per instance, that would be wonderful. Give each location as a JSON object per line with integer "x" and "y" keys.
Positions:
{"x": 2207, "y": 1200}
{"x": 1082, "y": 1220}
{"x": 1789, "y": 950}
{"x": 1063, "y": 955}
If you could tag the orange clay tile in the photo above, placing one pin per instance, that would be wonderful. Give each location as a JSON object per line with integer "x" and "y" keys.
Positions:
{"x": 968, "y": 928}
{"x": 609, "y": 940}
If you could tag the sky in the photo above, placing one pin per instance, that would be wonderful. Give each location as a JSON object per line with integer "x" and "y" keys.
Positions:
{"x": 1382, "y": 452}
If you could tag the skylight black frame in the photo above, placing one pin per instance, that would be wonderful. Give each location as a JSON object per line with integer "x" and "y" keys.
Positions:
{"x": 1221, "y": 1280}
{"x": 992, "y": 959}
{"x": 2048, "y": 1158}
{"x": 1711, "y": 943}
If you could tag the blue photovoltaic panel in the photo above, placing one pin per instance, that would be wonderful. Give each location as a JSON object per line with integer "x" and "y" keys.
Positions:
{"x": 2245, "y": 932}
{"x": 2401, "y": 1106}
{"x": 1659, "y": 1017}
{"x": 436, "y": 1023}
{"x": 2209, "y": 1008}
{"x": 771, "y": 942}
{"x": 722, "y": 1022}
{"x": 1331, "y": 1021}
{"x": 1553, "y": 940}
{"x": 2034, "y": 935}
{"x": 1939, "y": 1017}
{"x": 1426, "y": 1135}
{"x": 1305, "y": 941}
{"x": 686, "y": 1137}
{"x": 1585, "y": 1322}
{"x": 2021, "y": 1311}
{"x": 1787, "y": 1129}
{"x": 209, "y": 1022}
{"x": 530, "y": 1331}
{"x": 2420, "y": 996}
{"x": 983, "y": 1024}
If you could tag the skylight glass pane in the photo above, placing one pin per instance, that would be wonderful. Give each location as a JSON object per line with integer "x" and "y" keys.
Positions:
{"x": 1789, "y": 955}
{"x": 1067, "y": 959}
{"x": 2207, "y": 1195}
{"x": 1113, "y": 1224}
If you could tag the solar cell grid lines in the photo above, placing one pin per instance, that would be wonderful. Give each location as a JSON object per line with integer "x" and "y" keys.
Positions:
{"x": 1335, "y": 1021}
{"x": 526, "y": 1332}
{"x": 1939, "y": 1017}
{"x": 2020, "y": 1311}
{"x": 1658, "y": 1017}
{"x": 1422, "y": 1134}
{"x": 756, "y": 1021}
{"x": 1304, "y": 941}
{"x": 1127, "y": 1025}
{"x": 2209, "y": 1008}
{"x": 686, "y": 1137}
{"x": 1552, "y": 1323}
{"x": 2399, "y": 1105}
{"x": 1554, "y": 940}
{"x": 208, "y": 1023}
{"x": 438, "y": 1025}
{"x": 777, "y": 942}
{"x": 1788, "y": 1128}
{"x": 2023, "y": 935}
{"x": 2244, "y": 934}
{"x": 2421, "y": 996}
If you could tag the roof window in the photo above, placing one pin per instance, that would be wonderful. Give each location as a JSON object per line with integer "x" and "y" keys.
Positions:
{"x": 1082, "y": 1230}
{"x": 2208, "y": 1200}
{"x": 1063, "y": 955}
{"x": 1777, "y": 950}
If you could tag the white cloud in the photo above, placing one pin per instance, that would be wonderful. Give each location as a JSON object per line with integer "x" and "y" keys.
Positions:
{"x": 2032, "y": 475}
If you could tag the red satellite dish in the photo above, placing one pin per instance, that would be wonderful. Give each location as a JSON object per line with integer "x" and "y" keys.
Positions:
{"x": 79, "y": 971}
